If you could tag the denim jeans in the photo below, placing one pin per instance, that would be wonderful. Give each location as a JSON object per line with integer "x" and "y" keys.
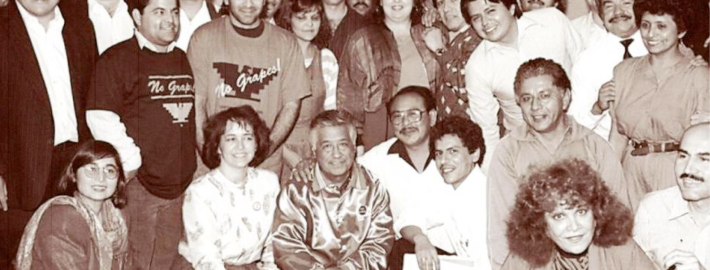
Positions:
{"x": 154, "y": 228}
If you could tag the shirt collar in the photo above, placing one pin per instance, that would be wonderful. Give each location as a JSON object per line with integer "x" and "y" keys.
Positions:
{"x": 678, "y": 206}
{"x": 401, "y": 150}
{"x": 202, "y": 15}
{"x": 96, "y": 8}
{"x": 145, "y": 43}
{"x": 33, "y": 22}
{"x": 475, "y": 175}
{"x": 525, "y": 22}
{"x": 356, "y": 180}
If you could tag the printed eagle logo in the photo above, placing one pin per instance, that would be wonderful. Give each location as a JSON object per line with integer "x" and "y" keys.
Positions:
{"x": 179, "y": 111}
{"x": 244, "y": 82}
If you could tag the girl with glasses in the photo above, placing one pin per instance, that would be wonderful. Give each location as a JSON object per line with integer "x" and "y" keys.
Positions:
{"x": 83, "y": 229}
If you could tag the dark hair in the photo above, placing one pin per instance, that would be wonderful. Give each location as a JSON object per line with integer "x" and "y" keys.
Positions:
{"x": 538, "y": 67}
{"x": 507, "y": 3}
{"x": 677, "y": 9}
{"x": 87, "y": 153}
{"x": 141, "y": 4}
{"x": 469, "y": 132}
{"x": 561, "y": 5}
{"x": 579, "y": 186}
{"x": 415, "y": 16}
{"x": 216, "y": 127}
{"x": 293, "y": 7}
{"x": 422, "y": 92}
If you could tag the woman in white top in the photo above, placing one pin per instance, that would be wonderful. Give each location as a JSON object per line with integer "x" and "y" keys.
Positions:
{"x": 303, "y": 18}
{"x": 228, "y": 212}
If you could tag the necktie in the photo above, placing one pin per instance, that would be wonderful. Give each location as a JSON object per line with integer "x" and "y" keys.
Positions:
{"x": 626, "y": 43}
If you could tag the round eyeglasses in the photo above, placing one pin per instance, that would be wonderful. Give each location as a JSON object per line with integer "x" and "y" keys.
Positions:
{"x": 398, "y": 117}
{"x": 93, "y": 171}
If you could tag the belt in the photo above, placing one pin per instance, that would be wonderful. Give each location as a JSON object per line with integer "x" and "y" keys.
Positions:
{"x": 645, "y": 148}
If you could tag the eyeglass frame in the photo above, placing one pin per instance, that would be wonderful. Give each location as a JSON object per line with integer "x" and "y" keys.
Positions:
{"x": 88, "y": 172}
{"x": 414, "y": 115}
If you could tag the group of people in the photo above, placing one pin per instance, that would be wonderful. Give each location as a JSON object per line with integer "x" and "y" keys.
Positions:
{"x": 333, "y": 134}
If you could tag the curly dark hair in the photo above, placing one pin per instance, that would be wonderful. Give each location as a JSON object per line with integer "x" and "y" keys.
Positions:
{"x": 293, "y": 7}
{"x": 216, "y": 127}
{"x": 469, "y": 132}
{"x": 677, "y": 9}
{"x": 538, "y": 67}
{"x": 416, "y": 16}
{"x": 89, "y": 152}
{"x": 574, "y": 182}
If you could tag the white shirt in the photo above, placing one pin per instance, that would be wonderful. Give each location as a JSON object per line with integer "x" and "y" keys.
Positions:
{"x": 107, "y": 126}
{"x": 593, "y": 68}
{"x": 403, "y": 183}
{"x": 329, "y": 65}
{"x": 229, "y": 224}
{"x": 456, "y": 219}
{"x": 48, "y": 45}
{"x": 188, "y": 27}
{"x": 491, "y": 69}
{"x": 663, "y": 223}
{"x": 110, "y": 30}
{"x": 588, "y": 30}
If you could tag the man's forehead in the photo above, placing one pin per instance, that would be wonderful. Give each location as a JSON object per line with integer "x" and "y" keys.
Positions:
{"x": 333, "y": 133}
{"x": 448, "y": 141}
{"x": 696, "y": 140}
{"x": 408, "y": 102}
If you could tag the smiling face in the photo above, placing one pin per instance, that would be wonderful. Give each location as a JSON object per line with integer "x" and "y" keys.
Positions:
{"x": 40, "y": 8}
{"x": 237, "y": 145}
{"x": 335, "y": 152}
{"x": 528, "y": 5}
{"x": 305, "y": 25}
{"x": 245, "y": 13}
{"x": 159, "y": 22}
{"x": 453, "y": 159}
{"x": 397, "y": 10}
{"x": 572, "y": 229}
{"x": 618, "y": 17}
{"x": 542, "y": 103}
{"x": 450, "y": 12}
{"x": 410, "y": 131}
{"x": 659, "y": 33}
{"x": 692, "y": 166}
{"x": 97, "y": 181}
{"x": 492, "y": 21}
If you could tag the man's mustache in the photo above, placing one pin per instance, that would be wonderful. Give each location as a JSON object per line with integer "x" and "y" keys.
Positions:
{"x": 692, "y": 176}
{"x": 620, "y": 17}
{"x": 361, "y": 3}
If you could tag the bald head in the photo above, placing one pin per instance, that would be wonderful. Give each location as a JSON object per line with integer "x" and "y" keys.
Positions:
{"x": 692, "y": 165}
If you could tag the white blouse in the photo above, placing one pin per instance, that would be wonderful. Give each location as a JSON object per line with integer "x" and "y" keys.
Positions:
{"x": 228, "y": 224}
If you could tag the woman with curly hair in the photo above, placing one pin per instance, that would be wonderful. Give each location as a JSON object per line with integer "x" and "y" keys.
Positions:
{"x": 565, "y": 217}
{"x": 228, "y": 212}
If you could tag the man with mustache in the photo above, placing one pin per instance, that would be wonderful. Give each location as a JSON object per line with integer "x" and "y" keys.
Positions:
{"x": 340, "y": 217}
{"x": 510, "y": 38}
{"x": 592, "y": 88}
{"x": 343, "y": 21}
{"x": 673, "y": 225}
{"x": 242, "y": 60}
{"x": 142, "y": 102}
{"x": 363, "y": 7}
{"x": 542, "y": 90}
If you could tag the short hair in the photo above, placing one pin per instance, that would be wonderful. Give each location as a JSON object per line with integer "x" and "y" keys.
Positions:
{"x": 539, "y": 67}
{"x": 574, "y": 182}
{"x": 415, "y": 16}
{"x": 469, "y": 132}
{"x": 507, "y": 3}
{"x": 422, "y": 92}
{"x": 677, "y": 9}
{"x": 216, "y": 126}
{"x": 141, "y": 4}
{"x": 87, "y": 153}
{"x": 332, "y": 118}
{"x": 293, "y": 7}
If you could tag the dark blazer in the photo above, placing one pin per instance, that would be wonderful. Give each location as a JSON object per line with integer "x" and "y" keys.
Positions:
{"x": 26, "y": 123}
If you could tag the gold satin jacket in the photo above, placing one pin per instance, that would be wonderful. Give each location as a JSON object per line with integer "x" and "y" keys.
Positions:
{"x": 317, "y": 227}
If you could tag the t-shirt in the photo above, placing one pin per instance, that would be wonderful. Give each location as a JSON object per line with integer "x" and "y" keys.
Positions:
{"x": 231, "y": 70}
{"x": 153, "y": 95}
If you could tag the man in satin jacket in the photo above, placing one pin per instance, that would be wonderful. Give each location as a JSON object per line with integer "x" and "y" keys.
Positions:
{"x": 341, "y": 218}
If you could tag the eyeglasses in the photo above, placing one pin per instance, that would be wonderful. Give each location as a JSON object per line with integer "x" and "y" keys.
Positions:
{"x": 414, "y": 115}
{"x": 93, "y": 171}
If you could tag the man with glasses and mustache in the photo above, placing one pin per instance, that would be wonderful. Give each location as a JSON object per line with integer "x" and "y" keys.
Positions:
{"x": 673, "y": 225}
{"x": 142, "y": 102}
{"x": 592, "y": 88}
{"x": 542, "y": 90}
